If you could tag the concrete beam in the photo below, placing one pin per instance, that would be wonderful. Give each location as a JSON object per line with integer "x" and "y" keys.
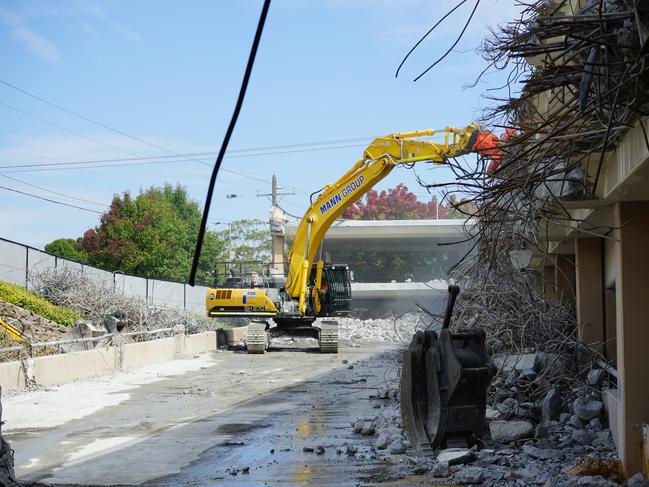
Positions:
{"x": 426, "y": 230}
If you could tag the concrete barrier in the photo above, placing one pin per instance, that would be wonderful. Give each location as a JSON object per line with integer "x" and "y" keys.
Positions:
{"x": 68, "y": 367}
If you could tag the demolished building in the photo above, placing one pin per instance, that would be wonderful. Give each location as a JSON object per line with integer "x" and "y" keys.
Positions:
{"x": 567, "y": 209}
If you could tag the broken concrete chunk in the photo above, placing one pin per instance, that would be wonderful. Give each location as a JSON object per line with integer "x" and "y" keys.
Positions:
{"x": 397, "y": 447}
{"x": 508, "y": 431}
{"x": 540, "y": 453}
{"x": 596, "y": 424}
{"x": 382, "y": 441}
{"x": 367, "y": 429}
{"x": 595, "y": 377}
{"x": 469, "y": 475}
{"x": 587, "y": 481}
{"x": 363, "y": 427}
{"x": 507, "y": 363}
{"x": 551, "y": 405}
{"x": 638, "y": 480}
{"x": 456, "y": 456}
{"x": 492, "y": 413}
{"x": 587, "y": 410}
{"x": 575, "y": 422}
{"x": 440, "y": 470}
{"x": 583, "y": 437}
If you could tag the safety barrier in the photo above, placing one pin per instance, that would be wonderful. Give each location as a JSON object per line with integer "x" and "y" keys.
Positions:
{"x": 117, "y": 355}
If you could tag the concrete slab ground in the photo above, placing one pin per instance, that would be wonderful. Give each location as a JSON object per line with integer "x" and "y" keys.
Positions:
{"x": 195, "y": 421}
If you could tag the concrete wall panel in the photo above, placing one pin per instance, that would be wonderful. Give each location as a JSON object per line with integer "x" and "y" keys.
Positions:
{"x": 68, "y": 367}
{"x": 12, "y": 376}
{"x": 147, "y": 353}
{"x": 200, "y": 343}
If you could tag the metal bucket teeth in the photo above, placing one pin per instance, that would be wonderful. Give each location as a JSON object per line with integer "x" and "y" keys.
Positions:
{"x": 256, "y": 338}
{"x": 328, "y": 339}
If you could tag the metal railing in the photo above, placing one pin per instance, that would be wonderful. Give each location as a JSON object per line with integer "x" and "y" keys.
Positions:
{"x": 58, "y": 343}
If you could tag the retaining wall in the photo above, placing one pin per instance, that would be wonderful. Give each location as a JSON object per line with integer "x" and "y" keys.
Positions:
{"x": 68, "y": 367}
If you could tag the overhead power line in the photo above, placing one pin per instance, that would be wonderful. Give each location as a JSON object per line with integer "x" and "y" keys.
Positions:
{"x": 49, "y": 200}
{"x": 127, "y": 160}
{"x": 52, "y": 191}
{"x": 72, "y": 132}
{"x": 95, "y": 122}
{"x": 77, "y": 134}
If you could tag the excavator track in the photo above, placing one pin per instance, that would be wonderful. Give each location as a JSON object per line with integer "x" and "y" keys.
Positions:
{"x": 328, "y": 339}
{"x": 256, "y": 338}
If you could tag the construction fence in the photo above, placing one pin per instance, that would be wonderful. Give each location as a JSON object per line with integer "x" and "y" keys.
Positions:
{"x": 18, "y": 262}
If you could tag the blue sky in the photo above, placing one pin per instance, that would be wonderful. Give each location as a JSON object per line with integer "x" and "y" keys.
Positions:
{"x": 168, "y": 73}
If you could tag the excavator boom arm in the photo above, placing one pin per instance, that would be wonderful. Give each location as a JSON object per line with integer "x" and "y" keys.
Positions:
{"x": 379, "y": 159}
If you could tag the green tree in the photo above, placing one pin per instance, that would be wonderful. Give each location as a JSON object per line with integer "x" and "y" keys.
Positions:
{"x": 152, "y": 235}
{"x": 67, "y": 248}
{"x": 250, "y": 240}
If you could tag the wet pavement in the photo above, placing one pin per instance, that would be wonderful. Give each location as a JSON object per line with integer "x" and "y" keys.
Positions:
{"x": 283, "y": 418}
{"x": 296, "y": 436}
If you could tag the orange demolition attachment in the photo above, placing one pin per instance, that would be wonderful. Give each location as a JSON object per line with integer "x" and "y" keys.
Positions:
{"x": 489, "y": 144}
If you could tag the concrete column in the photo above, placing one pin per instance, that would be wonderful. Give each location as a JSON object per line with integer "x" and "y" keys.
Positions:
{"x": 565, "y": 276}
{"x": 590, "y": 295}
{"x": 632, "y": 322}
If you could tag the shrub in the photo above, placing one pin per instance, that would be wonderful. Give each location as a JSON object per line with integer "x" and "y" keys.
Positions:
{"x": 19, "y": 296}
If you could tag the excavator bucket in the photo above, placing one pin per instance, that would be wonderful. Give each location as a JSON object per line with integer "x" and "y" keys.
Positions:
{"x": 444, "y": 382}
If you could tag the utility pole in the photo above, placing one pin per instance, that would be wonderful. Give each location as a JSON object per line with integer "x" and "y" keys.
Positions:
{"x": 277, "y": 220}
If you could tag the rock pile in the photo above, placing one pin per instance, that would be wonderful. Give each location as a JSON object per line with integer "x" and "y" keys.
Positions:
{"x": 392, "y": 330}
{"x": 559, "y": 441}
{"x": 34, "y": 327}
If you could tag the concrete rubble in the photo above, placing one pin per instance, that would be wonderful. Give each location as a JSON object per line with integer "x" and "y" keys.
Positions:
{"x": 103, "y": 306}
{"x": 554, "y": 442}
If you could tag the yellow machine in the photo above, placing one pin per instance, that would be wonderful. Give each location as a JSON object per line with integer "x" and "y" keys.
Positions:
{"x": 313, "y": 289}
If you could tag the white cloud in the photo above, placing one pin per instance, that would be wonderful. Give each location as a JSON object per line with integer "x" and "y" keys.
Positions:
{"x": 129, "y": 34}
{"x": 36, "y": 44}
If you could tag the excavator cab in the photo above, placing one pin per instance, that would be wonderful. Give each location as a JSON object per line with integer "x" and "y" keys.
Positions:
{"x": 335, "y": 291}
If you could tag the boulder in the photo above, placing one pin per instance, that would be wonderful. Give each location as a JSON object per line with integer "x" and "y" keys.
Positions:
{"x": 587, "y": 409}
{"x": 508, "y": 431}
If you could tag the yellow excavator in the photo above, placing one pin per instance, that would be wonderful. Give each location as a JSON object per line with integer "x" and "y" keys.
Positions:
{"x": 312, "y": 288}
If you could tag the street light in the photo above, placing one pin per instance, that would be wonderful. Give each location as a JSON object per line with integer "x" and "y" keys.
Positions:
{"x": 232, "y": 196}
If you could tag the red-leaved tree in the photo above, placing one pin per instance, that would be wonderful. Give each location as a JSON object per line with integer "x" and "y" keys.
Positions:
{"x": 395, "y": 204}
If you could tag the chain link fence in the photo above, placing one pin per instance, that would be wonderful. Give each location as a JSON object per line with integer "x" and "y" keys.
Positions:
{"x": 19, "y": 261}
